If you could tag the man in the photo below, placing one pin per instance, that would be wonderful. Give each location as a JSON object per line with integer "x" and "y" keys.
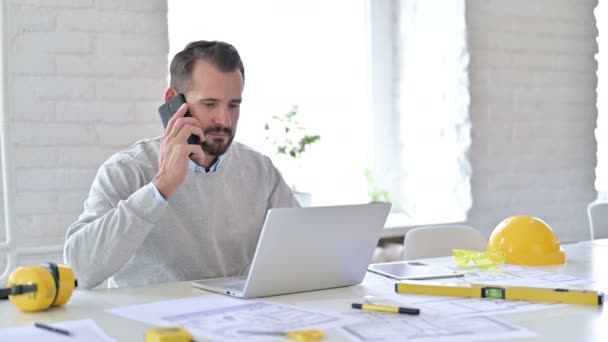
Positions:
{"x": 163, "y": 210}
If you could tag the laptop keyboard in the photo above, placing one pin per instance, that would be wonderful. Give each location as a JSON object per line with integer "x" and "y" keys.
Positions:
{"x": 239, "y": 285}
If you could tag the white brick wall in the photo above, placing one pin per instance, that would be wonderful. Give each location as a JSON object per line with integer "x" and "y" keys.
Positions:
{"x": 533, "y": 92}
{"x": 601, "y": 132}
{"x": 85, "y": 78}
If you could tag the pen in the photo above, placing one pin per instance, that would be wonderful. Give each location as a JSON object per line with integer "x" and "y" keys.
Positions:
{"x": 386, "y": 308}
{"x": 51, "y": 328}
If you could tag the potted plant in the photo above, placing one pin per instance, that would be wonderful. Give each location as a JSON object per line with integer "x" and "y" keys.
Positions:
{"x": 374, "y": 192}
{"x": 290, "y": 142}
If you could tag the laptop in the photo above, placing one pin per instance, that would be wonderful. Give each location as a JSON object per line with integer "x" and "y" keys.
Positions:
{"x": 307, "y": 249}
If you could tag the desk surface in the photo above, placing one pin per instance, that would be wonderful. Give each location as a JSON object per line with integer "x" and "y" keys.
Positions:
{"x": 573, "y": 322}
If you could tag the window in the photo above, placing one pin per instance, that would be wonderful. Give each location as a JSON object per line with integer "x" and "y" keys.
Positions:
{"x": 433, "y": 111}
{"x": 340, "y": 62}
{"x": 306, "y": 53}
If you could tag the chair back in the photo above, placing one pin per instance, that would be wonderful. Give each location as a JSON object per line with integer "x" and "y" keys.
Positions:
{"x": 598, "y": 219}
{"x": 438, "y": 241}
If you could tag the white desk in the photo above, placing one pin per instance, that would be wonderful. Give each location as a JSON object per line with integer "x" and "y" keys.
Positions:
{"x": 570, "y": 323}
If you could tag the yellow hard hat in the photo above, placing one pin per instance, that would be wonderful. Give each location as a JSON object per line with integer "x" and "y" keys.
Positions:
{"x": 526, "y": 240}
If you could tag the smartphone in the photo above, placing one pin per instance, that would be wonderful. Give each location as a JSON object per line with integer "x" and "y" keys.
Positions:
{"x": 169, "y": 108}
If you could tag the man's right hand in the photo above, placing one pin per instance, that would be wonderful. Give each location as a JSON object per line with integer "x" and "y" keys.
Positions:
{"x": 175, "y": 152}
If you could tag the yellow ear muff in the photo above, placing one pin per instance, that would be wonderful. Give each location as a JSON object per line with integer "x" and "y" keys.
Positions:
{"x": 41, "y": 292}
{"x": 66, "y": 286}
{"x": 36, "y": 288}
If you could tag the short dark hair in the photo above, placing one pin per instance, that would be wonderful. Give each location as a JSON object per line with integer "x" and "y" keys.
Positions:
{"x": 220, "y": 54}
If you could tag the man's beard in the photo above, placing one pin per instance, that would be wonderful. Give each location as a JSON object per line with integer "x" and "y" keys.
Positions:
{"x": 217, "y": 147}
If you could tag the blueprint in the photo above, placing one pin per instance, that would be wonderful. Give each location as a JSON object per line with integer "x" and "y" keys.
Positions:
{"x": 223, "y": 318}
{"x": 380, "y": 327}
{"x": 524, "y": 276}
{"x": 230, "y": 322}
{"x": 446, "y": 318}
{"x": 441, "y": 318}
{"x": 384, "y": 291}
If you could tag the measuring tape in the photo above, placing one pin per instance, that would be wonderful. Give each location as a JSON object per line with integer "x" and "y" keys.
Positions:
{"x": 168, "y": 334}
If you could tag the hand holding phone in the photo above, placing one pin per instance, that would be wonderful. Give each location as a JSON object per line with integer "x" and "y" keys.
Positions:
{"x": 174, "y": 153}
{"x": 169, "y": 108}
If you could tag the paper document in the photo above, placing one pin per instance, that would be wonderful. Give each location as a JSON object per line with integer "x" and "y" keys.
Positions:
{"x": 80, "y": 330}
{"x": 437, "y": 306}
{"x": 224, "y": 318}
{"x": 512, "y": 275}
{"x": 506, "y": 275}
{"x": 447, "y": 318}
{"x": 383, "y": 327}
{"x": 441, "y": 319}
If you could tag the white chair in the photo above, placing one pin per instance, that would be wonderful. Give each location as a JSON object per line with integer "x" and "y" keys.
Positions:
{"x": 388, "y": 253}
{"x": 438, "y": 241}
{"x": 598, "y": 219}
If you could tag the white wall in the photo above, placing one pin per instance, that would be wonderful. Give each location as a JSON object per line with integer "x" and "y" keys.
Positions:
{"x": 601, "y": 132}
{"x": 85, "y": 78}
{"x": 533, "y": 112}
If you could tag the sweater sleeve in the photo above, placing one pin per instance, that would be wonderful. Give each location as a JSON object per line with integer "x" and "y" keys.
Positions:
{"x": 118, "y": 214}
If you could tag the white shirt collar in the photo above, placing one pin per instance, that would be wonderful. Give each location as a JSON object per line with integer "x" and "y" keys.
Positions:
{"x": 194, "y": 167}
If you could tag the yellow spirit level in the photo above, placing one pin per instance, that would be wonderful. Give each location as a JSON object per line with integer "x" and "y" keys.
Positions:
{"x": 525, "y": 293}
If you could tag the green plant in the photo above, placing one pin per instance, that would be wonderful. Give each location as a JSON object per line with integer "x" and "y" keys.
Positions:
{"x": 373, "y": 190}
{"x": 287, "y": 135}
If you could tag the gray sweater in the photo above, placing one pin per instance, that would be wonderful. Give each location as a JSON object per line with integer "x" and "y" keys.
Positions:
{"x": 209, "y": 228}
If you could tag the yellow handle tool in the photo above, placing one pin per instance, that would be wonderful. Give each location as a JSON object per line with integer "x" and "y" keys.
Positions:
{"x": 296, "y": 335}
{"x": 525, "y": 293}
{"x": 168, "y": 334}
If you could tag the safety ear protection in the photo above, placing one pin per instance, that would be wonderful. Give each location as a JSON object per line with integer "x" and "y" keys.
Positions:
{"x": 37, "y": 288}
